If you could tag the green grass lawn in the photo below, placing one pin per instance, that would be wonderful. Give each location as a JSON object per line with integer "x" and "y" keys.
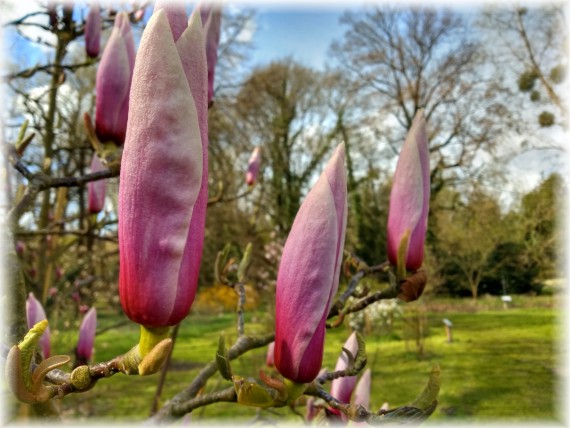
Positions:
{"x": 501, "y": 366}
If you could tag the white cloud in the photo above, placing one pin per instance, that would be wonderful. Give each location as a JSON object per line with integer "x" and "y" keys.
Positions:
{"x": 248, "y": 31}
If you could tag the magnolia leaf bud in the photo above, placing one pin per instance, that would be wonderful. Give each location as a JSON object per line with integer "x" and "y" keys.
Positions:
{"x": 223, "y": 360}
{"x": 250, "y": 393}
{"x": 153, "y": 361}
{"x": 413, "y": 286}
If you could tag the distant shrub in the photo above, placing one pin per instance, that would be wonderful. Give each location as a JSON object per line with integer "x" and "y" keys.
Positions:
{"x": 217, "y": 299}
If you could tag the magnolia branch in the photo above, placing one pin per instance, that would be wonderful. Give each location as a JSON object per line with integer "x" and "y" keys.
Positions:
{"x": 174, "y": 408}
{"x": 228, "y": 395}
{"x": 48, "y": 68}
{"x": 389, "y": 293}
{"x": 63, "y": 384}
{"x": 39, "y": 181}
{"x": 354, "y": 280}
{"x": 87, "y": 233}
{"x": 220, "y": 197}
{"x": 23, "y": 18}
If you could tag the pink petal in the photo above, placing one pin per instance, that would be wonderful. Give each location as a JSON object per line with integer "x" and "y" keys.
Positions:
{"x": 176, "y": 14}
{"x": 190, "y": 46}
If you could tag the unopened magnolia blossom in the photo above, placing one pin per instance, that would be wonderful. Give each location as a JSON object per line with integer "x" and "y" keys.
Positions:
{"x": 308, "y": 275}
{"x": 96, "y": 189}
{"x": 362, "y": 389}
{"x": 113, "y": 82}
{"x": 269, "y": 357}
{"x": 409, "y": 199}
{"x": 93, "y": 31}
{"x": 253, "y": 166}
{"x": 87, "y": 335}
{"x": 342, "y": 387}
{"x": 163, "y": 187}
{"x": 34, "y": 314}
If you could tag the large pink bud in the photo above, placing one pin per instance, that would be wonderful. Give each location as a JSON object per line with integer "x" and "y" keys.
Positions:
{"x": 409, "y": 200}
{"x": 163, "y": 187}
{"x": 309, "y": 273}
{"x": 253, "y": 166}
{"x": 93, "y": 31}
{"x": 96, "y": 189}
{"x": 342, "y": 387}
{"x": 87, "y": 335}
{"x": 113, "y": 82}
{"x": 34, "y": 314}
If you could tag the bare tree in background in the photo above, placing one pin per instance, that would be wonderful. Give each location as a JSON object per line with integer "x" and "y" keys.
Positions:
{"x": 404, "y": 60}
{"x": 529, "y": 43}
{"x": 238, "y": 26}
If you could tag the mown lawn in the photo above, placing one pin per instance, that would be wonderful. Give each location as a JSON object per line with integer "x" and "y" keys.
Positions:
{"x": 501, "y": 366}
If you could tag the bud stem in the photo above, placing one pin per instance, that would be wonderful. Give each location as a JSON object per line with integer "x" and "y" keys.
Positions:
{"x": 150, "y": 337}
{"x": 294, "y": 390}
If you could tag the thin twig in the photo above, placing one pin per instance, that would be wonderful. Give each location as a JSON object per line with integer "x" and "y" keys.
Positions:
{"x": 220, "y": 198}
{"x": 354, "y": 280}
{"x": 240, "y": 290}
{"x": 63, "y": 233}
{"x": 389, "y": 293}
{"x": 48, "y": 68}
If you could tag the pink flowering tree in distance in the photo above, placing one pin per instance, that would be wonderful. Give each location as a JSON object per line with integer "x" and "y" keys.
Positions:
{"x": 154, "y": 88}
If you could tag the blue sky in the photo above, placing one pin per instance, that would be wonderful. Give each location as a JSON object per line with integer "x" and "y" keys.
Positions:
{"x": 304, "y": 34}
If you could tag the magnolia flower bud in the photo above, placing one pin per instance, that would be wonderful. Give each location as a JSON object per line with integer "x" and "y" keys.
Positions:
{"x": 269, "y": 358}
{"x": 253, "y": 166}
{"x": 20, "y": 248}
{"x": 342, "y": 387}
{"x": 308, "y": 275}
{"x": 212, "y": 28}
{"x": 34, "y": 314}
{"x": 362, "y": 390}
{"x": 139, "y": 14}
{"x": 93, "y": 31}
{"x": 113, "y": 82}
{"x": 163, "y": 187}
{"x": 96, "y": 189}
{"x": 86, "y": 339}
{"x": 409, "y": 199}
{"x": 175, "y": 13}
